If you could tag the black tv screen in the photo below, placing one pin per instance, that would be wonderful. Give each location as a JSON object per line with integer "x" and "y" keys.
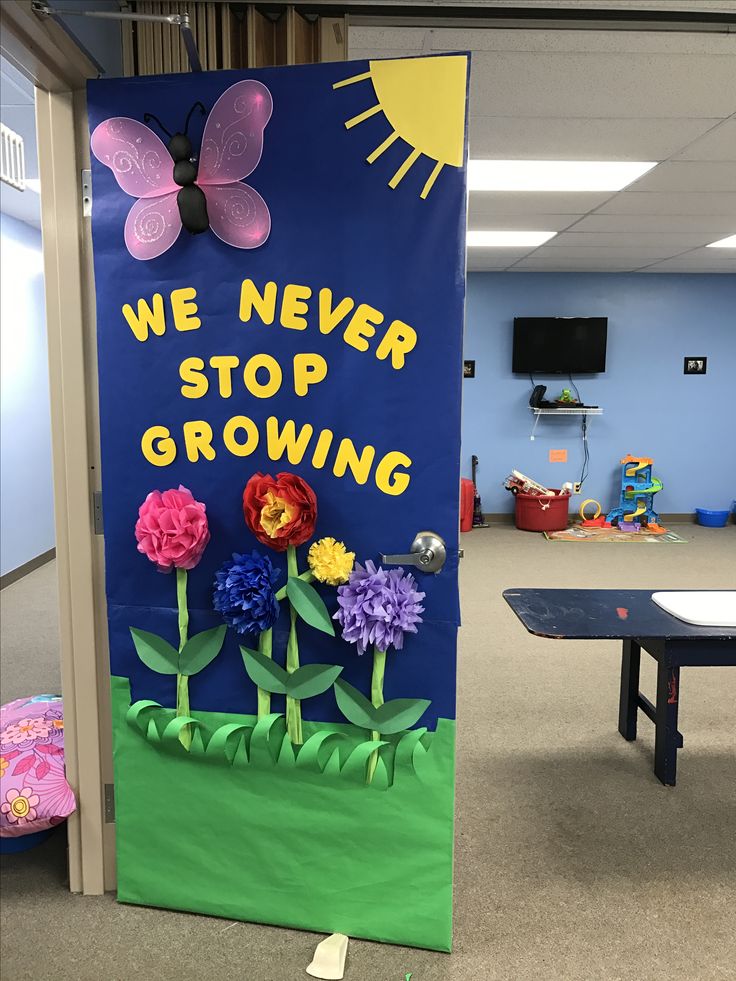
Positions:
{"x": 560, "y": 345}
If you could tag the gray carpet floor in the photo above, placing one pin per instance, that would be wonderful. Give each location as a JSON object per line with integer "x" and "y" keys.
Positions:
{"x": 572, "y": 862}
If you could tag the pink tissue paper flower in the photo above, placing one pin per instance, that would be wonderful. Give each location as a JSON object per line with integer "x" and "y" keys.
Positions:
{"x": 172, "y": 529}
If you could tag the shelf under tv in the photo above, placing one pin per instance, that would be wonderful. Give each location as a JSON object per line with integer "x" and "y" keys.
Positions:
{"x": 572, "y": 410}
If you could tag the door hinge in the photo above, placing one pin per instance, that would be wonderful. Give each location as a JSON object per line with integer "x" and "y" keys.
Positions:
{"x": 86, "y": 193}
{"x": 109, "y": 803}
{"x": 97, "y": 512}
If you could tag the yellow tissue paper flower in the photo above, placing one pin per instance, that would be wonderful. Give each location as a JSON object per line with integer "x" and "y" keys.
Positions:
{"x": 330, "y": 561}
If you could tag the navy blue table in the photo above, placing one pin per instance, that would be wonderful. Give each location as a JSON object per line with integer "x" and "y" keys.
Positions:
{"x": 630, "y": 615}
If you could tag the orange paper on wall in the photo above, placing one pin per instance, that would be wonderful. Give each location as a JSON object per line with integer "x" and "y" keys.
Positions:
{"x": 558, "y": 456}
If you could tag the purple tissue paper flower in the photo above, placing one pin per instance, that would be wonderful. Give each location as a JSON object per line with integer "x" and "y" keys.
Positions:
{"x": 378, "y": 607}
{"x": 244, "y": 593}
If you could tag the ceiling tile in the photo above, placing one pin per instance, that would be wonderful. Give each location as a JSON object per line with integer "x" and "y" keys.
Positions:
{"x": 688, "y": 176}
{"x": 675, "y": 242}
{"x": 618, "y": 85}
{"x": 489, "y": 204}
{"x": 692, "y": 203}
{"x": 508, "y": 138}
{"x": 521, "y": 223}
{"x": 715, "y": 226}
{"x": 718, "y": 144}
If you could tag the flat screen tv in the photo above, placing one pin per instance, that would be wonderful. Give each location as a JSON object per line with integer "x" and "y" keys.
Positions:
{"x": 559, "y": 345}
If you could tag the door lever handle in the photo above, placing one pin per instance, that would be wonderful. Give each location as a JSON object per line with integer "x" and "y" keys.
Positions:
{"x": 428, "y": 553}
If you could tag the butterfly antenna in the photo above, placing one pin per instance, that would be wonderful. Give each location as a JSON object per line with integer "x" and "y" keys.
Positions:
{"x": 148, "y": 116}
{"x": 189, "y": 116}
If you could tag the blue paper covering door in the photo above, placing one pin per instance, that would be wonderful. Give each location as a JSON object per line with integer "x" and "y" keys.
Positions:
{"x": 315, "y": 328}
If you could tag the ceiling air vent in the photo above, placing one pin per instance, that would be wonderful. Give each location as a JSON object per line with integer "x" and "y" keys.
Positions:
{"x": 12, "y": 158}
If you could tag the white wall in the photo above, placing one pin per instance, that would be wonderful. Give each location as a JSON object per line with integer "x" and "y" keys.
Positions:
{"x": 26, "y": 491}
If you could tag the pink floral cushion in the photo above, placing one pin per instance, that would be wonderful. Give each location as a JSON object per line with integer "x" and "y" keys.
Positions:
{"x": 34, "y": 794}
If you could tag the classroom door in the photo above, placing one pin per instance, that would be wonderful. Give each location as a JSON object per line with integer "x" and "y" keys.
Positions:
{"x": 280, "y": 272}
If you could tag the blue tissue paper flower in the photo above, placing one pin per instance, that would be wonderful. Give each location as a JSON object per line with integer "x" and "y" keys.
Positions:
{"x": 244, "y": 593}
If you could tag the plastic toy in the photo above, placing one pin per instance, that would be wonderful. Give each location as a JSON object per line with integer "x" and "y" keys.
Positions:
{"x": 519, "y": 483}
{"x": 638, "y": 488}
{"x": 597, "y": 521}
{"x": 566, "y": 396}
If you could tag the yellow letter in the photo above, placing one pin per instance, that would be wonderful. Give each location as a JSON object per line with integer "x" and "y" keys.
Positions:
{"x": 293, "y": 306}
{"x": 398, "y": 340}
{"x": 363, "y": 324}
{"x": 329, "y": 318}
{"x": 322, "y": 448}
{"x": 190, "y": 372}
{"x": 347, "y": 456}
{"x": 184, "y": 309}
{"x": 386, "y": 469}
{"x": 265, "y": 305}
{"x": 224, "y": 363}
{"x": 308, "y": 370}
{"x": 162, "y": 454}
{"x": 251, "y": 435}
{"x": 198, "y": 440}
{"x": 274, "y": 376}
{"x": 287, "y": 440}
{"x": 146, "y": 318}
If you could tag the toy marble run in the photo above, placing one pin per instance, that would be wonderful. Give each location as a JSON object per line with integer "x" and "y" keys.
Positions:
{"x": 638, "y": 488}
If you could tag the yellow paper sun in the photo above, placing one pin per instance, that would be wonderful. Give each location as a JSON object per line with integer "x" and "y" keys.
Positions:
{"x": 423, "y": 100}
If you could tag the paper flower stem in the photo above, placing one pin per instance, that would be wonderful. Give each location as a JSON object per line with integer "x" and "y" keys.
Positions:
{"x": 307, "y": 576}
{"x": 265, "y": 646}
{"x": 293, "y": 705}
{"x": 182, "y": 681}
{"x": 379, "y": 670}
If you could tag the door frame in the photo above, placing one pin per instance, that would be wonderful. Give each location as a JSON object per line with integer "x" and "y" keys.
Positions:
{"x": 48, "y": 57}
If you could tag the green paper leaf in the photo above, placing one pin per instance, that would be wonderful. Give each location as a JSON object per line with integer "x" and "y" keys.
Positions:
{"x": 311, "y": 679}
{"x": 264, "y": 672}
{"x": 405, "y": 748}
{"x": 225, "y": 741}
{"x": 268, "y": 736}
{"x": 172, "y": 733}
{"x": 155, "y": 652}
{"x": 138, "y": 714}
{"x": 398, "y": 714}
{"x": 309, "y": 605}
{"x": 355, "y": 766}
{"x": 354, "y": 706}
{"x": 201, "y": 649}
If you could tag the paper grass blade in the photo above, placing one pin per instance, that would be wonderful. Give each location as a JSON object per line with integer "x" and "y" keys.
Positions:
{"x": 201, "y": 649}
{"x": 155, "y": 652}
{"x": 309, "y": 605}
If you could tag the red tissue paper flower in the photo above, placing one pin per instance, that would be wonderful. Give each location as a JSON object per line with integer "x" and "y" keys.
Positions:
{"x": 280, "y": 512}
{"x": 172, "y": 529}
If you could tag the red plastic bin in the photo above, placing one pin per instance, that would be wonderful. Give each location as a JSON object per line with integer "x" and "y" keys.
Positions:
{"x": 467, "y": 502}
{"x": 535, "y": 513}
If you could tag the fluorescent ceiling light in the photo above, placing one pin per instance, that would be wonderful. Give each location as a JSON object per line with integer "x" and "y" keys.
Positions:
{"x": 509, "y": 239}
{"x": 554, "y": 175}
{"x": 724, "y": 243}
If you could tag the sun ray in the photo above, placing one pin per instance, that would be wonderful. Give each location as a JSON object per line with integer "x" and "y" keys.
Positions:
{"x": 432, "y": 178}
{"x": 361, "y": 117}
{"x": 401, "y": 172}
{"x": 349, "y": 81}
{"x": 384, "y": 146}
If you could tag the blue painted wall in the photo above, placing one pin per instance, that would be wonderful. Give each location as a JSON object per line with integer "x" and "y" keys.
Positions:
{"x": 686, "y": 423}
{"x": 26, "y": 488}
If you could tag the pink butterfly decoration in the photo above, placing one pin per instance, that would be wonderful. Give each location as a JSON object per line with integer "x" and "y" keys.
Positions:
{"x": 232, "y": 144}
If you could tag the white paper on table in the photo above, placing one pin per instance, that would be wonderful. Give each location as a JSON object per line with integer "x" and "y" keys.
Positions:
{"x": 703, "y": 607}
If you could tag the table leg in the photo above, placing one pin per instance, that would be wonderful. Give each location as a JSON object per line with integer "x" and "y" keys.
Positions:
{"x": 627, "y": 706}
{"x": 667, "y": 739}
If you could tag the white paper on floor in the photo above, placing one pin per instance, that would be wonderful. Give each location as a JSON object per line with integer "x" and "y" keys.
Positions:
{"x": 328, "y": 962}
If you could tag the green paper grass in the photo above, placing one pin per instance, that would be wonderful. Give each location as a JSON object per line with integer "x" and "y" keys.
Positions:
{"x": 245, "y": 826}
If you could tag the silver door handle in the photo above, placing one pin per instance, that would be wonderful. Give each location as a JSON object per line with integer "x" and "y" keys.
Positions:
{"x": 428, "y": 553}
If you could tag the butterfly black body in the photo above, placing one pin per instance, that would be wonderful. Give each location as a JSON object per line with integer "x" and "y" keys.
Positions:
{"x": 191, "y": 200}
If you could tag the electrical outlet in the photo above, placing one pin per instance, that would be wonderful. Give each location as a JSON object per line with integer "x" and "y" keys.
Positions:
{"x": 576, "y": 488}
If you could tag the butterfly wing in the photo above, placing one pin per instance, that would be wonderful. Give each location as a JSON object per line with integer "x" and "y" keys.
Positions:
{"x": 238, "y": 214}
{"x": 140, "y": 162}
{"x": 232, "y": 142}
{"x": 152, "y": 226}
